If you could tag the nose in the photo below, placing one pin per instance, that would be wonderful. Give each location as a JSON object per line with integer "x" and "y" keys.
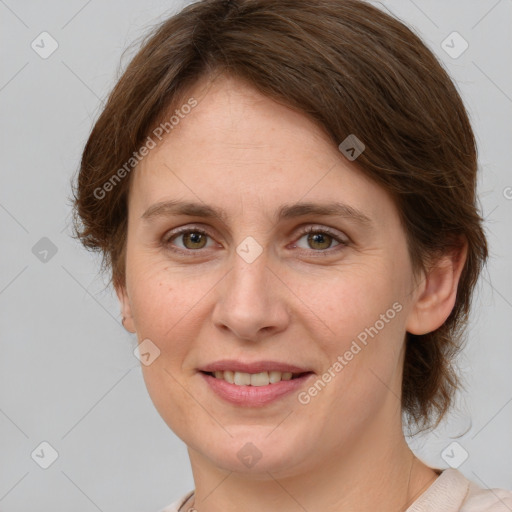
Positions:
{"x": 251, "y": 301}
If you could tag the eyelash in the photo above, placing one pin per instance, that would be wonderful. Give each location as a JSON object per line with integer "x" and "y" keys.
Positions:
{"x": 309, "y": 230}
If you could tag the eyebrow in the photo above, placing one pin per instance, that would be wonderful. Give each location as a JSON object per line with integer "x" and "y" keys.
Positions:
{"x": 291, "y": 211}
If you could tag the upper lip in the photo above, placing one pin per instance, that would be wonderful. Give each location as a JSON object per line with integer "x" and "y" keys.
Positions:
{"x": 254, "y": 367}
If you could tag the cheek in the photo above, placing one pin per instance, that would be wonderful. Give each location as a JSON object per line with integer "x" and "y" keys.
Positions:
{"x": 163, "y": 298}
{"x": 365, "y": 313}
{"x": 165, "y": 310}
{"x": 351, "y": 301}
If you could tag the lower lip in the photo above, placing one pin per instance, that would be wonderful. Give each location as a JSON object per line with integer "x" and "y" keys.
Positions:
{"x": 254, "y": 396}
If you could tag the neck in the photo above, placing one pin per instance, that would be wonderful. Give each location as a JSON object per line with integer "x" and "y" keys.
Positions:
{"x": 376, "y": 473}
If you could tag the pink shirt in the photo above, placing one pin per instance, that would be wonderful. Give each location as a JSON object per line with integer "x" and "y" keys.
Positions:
{"x": 450, "y": 492}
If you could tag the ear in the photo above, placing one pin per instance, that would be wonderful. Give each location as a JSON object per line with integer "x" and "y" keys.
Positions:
{"x": 126, "y": 309}
{"x": 436, "y": 295}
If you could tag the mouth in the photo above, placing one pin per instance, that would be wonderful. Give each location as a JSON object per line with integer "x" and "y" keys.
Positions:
{"x": 255, "y": 379}
{"x": 255, "y": 384}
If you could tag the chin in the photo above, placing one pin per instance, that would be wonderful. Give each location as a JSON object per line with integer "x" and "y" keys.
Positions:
{"x": 255, "y": 453}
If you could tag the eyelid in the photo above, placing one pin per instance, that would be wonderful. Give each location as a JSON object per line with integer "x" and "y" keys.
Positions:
{"x": 340, "y": 236}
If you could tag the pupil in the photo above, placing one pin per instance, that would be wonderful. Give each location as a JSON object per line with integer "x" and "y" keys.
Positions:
{"x": 195, "y": 238}
{"x": 319, "y": 238}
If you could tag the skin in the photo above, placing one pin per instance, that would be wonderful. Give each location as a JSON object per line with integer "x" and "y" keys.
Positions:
{"x": 345, "y": 450}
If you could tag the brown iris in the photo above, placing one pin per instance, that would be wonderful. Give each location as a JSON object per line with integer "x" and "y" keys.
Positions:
{"x": 320, "y": 238}
{"x": 197, "y": 240}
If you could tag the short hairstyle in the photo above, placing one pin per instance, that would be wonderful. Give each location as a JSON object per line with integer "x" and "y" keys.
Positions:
{"x": 352, "y": 69}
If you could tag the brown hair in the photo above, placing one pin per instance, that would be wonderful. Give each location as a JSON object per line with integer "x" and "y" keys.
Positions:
{"x": 351, "y": 68}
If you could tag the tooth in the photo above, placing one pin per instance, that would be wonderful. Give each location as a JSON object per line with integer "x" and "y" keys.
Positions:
{"x": 242, "y": 379}
{"x": 274, "y": 377}
{"x": 229, "y": 376}
{"x": 259, "y": 379}
{"x": 254, "y": 379}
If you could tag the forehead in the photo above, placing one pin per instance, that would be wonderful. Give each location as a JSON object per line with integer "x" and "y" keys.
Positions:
{"x": 236, "y": 124}
{"x": 240, "y": 148}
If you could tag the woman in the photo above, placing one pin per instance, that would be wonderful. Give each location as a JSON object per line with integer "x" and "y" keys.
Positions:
{"x": 285, "y": 195}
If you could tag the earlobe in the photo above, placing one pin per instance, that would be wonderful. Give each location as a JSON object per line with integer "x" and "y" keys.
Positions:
{"x": 436, "y": 298}
{"x": 126, "y": 310}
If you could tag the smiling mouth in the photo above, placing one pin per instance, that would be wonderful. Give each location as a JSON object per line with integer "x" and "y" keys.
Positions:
{"x": 255, "y": 379}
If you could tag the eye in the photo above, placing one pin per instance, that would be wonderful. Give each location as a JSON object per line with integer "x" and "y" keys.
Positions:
{"x": 321, "y": 239}
{"x": 191, "y": 238}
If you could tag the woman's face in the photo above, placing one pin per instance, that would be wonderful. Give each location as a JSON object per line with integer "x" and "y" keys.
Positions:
{"x": 248, "y": 285}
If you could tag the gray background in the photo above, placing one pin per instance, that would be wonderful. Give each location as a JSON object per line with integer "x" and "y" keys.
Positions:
{"x": 68, "y": 375}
